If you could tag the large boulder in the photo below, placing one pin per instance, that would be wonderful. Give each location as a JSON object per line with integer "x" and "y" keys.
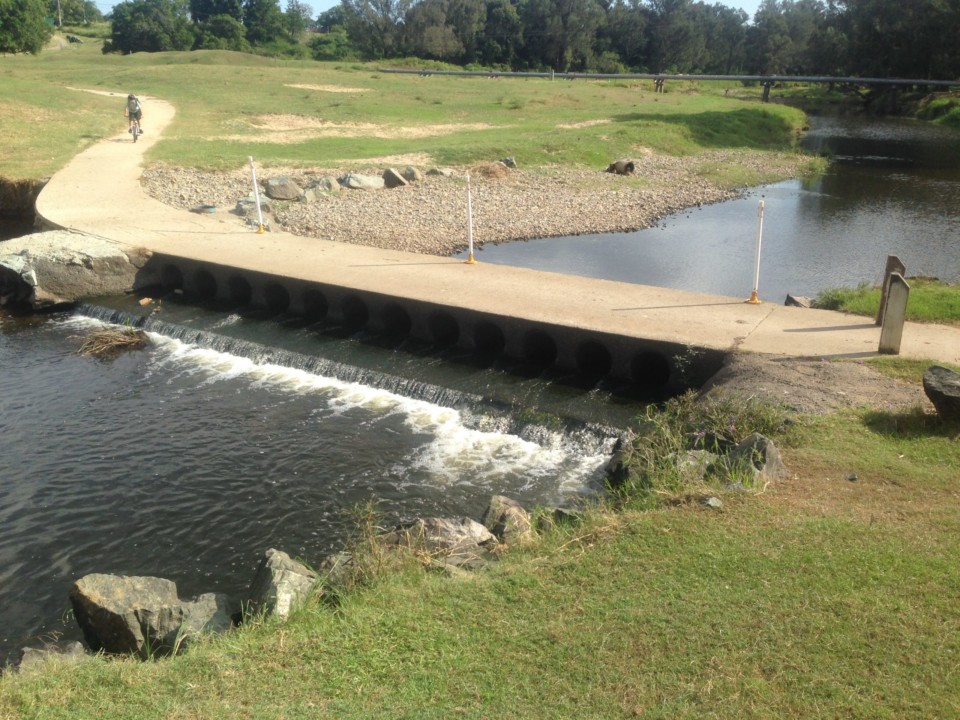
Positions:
{"x": 458, "y": 542}
{"x": 281, "y": 584}
{"x": 144, "y": 615}
{"x": 508, "y": 521}
{"x": 759, "y": 457}
{"x": 59, "y": 267}
{"x": 355, "y": 181}
{"x": 392, "y": 178}
{"x": 282, "y": 188}
{"x": 942, "y": 386}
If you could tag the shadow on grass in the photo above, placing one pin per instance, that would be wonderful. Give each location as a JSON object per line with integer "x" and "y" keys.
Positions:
{"x": 754, "y": 128}
{"x": 910, "y": 424}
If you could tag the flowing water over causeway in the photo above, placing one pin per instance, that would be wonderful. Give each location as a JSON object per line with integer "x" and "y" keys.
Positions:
{"x": 189, "y": 459}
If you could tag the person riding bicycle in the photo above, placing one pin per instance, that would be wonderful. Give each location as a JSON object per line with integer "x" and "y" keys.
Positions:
{"x": 133, "y": 111}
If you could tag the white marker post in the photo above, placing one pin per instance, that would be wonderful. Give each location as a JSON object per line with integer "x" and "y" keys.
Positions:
{"x": 256, "y": 196}
{"x": 754, "y": 300}
{"x": 469, "y": 260}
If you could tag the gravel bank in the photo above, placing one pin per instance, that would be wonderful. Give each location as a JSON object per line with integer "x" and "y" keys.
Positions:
{"x": 429, "y": 216}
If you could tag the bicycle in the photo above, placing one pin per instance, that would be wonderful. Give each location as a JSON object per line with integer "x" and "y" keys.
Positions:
{"x": 135, "y": 129}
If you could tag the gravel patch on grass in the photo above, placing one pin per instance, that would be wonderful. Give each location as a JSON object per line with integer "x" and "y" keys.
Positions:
{"x": 430, "y": 216}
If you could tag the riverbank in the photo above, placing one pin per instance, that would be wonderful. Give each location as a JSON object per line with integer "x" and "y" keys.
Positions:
{"x": 429, "y": 215}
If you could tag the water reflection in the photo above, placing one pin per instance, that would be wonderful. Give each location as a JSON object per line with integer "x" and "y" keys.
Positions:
{"x": 896, "y": 191}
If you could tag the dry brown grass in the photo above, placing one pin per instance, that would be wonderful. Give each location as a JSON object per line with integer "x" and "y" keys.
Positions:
{"x": 108, "y": 343}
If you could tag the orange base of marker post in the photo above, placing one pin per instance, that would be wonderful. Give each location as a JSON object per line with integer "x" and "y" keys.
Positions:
{"x": 754, "y": 300}
{"x": 470, "y": 260}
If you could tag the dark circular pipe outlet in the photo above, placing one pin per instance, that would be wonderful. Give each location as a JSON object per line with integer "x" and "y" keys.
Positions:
{"x": 539, "y": 349}
{"x": 171, "y": 278}
{"x": 488, "y": 339}
{"x": 240, "y": 290}
{"x": 396, "y": 321}
{"x": 650, "y": 371}
{"x": 593, "y": 360}
{"x": 444, "y": 329}
{"x": 277, "y": 298}
{"x": 315, "y": 305}
{"x": 204, "y": 285}
{"x": 356, "y": 314}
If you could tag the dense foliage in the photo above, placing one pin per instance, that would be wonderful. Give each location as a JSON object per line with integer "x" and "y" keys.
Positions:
{"x": 863, "y": 38}
{"x": 876, "y": 38}
{"x": 23, "y": 27}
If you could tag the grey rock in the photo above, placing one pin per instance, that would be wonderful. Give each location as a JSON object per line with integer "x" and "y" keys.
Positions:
{"x": 34, "y": 659}
{"x": 558, "y": 517}
{"x": 712, "y": 502}
{"x": 449, "y": 536}
{"x": 942, "y": 386}
{"x": 325, "y": 184}
{"x": 280, "y": 584}
{"x": 144, "y": 615}
{"x": 48, "y": 269}
{"x": 622, "y": 167}
{"x": 508, "y": 521}
{"x": 411, "y": 174}
{"x": 247, "y": 207}
{"x": 509, "y": 162}
{"x": 798, "y": 301}
{"x": 440, "y": 172}
{"x": 393, "y": 179}
{"x": 282, "y": 188}
{"x": 758, "y": 455}
{"x": 355, "y": 181}
{"x": 694, "y": 465}
{"x": 126, "y": 615}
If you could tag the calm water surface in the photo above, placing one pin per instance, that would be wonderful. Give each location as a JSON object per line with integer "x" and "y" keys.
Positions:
{"x": 893, "y": 188}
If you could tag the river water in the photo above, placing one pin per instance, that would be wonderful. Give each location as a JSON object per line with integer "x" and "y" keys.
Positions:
{"x": 232, "y": 434}
{"x": 892, "y": 188}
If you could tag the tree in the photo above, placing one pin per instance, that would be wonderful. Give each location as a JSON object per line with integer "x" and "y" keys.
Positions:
{"x": 503, "y": 34}
{"x": 263, "y": 20}
{"x": 297, "y": 18}
{"x": 150, "y": 26}
{"x": 374, "y": 25}
{"x": 559, "y": 34}
{"x": 222, "y": 32}
{"x": 23, "y": 26}
{"x": 625, "y": 32}
{"x": 202, "y": 10}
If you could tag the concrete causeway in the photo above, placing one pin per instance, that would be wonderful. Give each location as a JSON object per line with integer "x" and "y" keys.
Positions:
{"x": 99, "y": 193}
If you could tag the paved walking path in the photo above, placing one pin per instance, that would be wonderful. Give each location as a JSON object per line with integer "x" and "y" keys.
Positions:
{"x": 99, "y": 193}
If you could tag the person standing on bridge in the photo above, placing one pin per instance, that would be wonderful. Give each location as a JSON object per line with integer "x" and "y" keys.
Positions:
{"x": 133, "y": 111}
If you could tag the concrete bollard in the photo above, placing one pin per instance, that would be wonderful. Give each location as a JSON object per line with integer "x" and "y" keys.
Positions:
{"x": 894, "y": 265}
{"x": 895, "y": 314}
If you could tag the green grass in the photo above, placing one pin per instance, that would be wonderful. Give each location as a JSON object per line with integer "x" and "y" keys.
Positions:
{"x": 220, "y": 96}
{"x": 821, "y": 597}
{"x": 930, "y": 301}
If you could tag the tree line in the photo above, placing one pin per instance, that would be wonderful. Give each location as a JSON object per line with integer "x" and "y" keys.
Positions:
{"x": 865, "y": 38}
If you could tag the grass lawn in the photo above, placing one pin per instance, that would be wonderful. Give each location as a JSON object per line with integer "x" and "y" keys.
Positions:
{"x": 299, "y": 113}
{"x": 930, "y": 301}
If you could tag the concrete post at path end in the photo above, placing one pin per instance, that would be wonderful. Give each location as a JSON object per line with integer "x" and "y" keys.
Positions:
{"x": 895, "y": 314}
{"x": 894, "y": 265}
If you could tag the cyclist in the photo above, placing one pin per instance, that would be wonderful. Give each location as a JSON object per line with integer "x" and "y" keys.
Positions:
{"x": 133, "y": 111}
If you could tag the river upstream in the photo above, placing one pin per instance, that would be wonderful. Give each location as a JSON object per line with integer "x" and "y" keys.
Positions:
{"x": 232, "y": 434}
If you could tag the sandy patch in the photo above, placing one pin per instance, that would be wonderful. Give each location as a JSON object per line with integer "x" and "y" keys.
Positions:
{"x": 330, "y": 88}
{"x": 287, "y": 129}
{"x": 584, "y": 124}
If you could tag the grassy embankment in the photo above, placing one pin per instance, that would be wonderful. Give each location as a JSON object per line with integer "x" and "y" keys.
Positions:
{"x": 820, "y": 597}
{"x": 224, "y": 102}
